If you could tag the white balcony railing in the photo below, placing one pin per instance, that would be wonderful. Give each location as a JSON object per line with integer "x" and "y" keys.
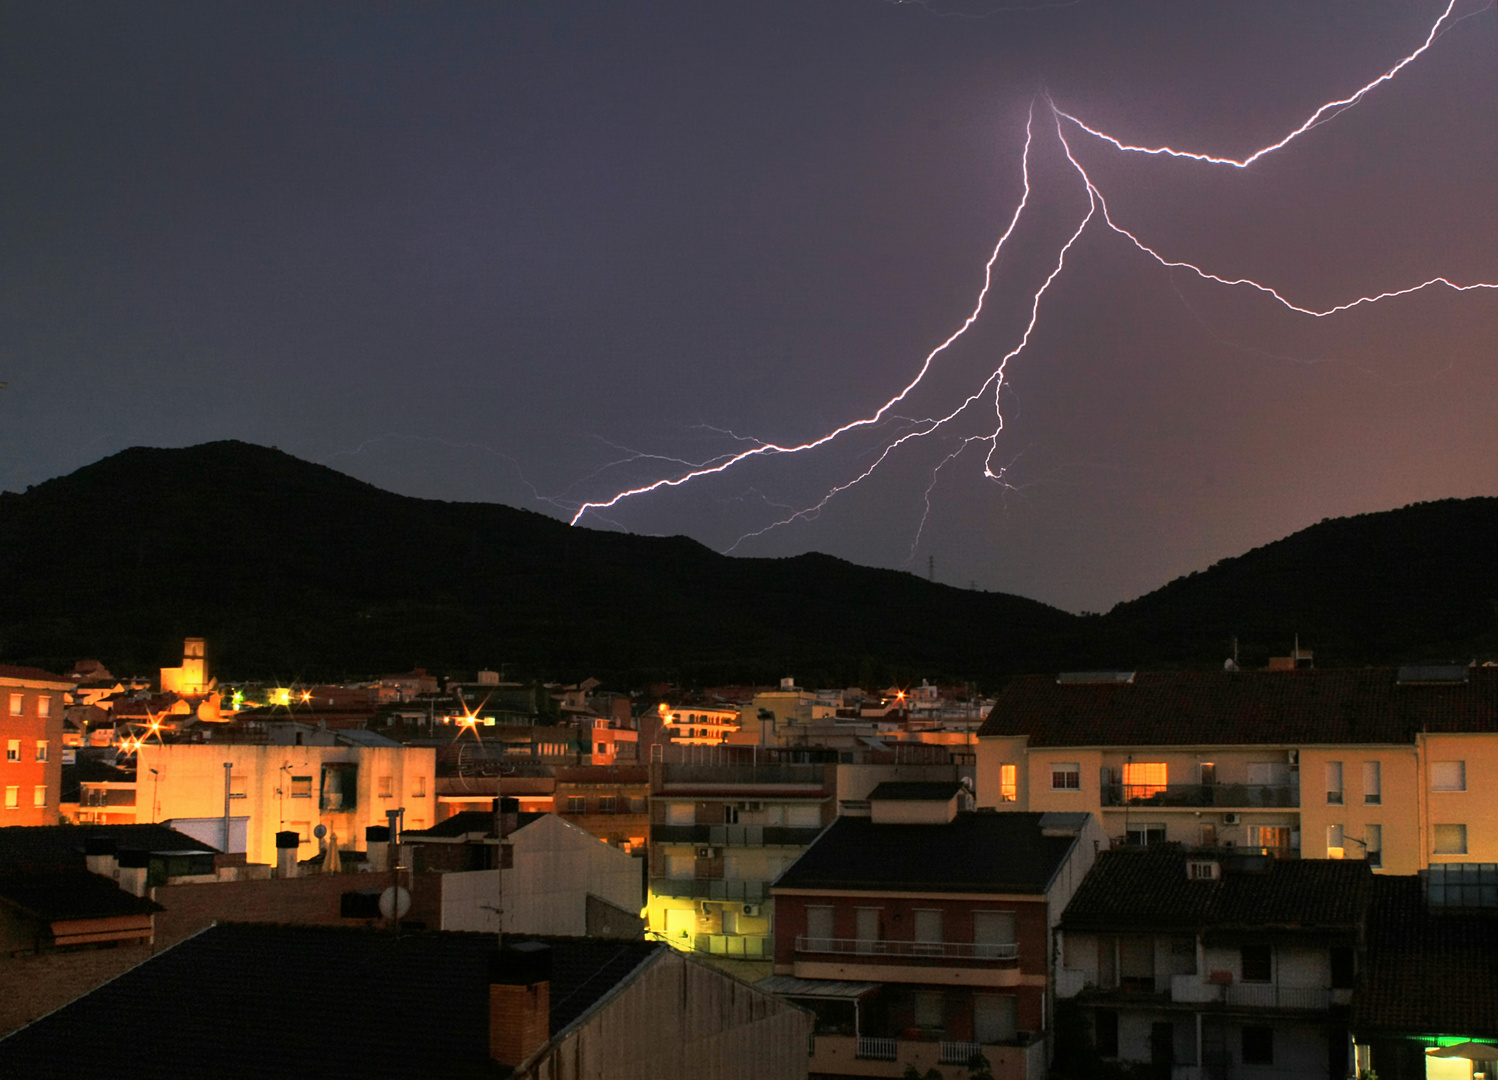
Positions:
{"x": 951, "y": 950}
{"x": 958, "y": 1053}
{"x": 877, "y": 1049}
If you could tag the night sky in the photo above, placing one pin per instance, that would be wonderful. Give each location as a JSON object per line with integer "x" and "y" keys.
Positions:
{"x": 539, "y": 253}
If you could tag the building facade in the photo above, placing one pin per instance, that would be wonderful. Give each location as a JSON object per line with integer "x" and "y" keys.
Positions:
{"x": 31, "y": 714}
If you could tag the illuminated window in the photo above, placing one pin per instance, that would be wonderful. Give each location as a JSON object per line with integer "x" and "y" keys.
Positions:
{"x": 1269, "y": 836}
{"x": 1334, "y": 842}
{"x": 301, "y": 787}
{"x": 1334, "y": 783}
{"x": 1448, "y": 776}
{"x": 17, "y": 704}
{"x": 1143, "y": 779}
{"x": 1066, "y": 776}
{"x": 1008, "y": 783}
{"x": 13, "y": 750}
{"x": 44, "y": 706}
{"x": 39, "y": 796}
{"x": 386, "y": 787}
{"x": 12, "y": 797}
{"x": 1450, "y": 839}
{"x": 41, "y": 750}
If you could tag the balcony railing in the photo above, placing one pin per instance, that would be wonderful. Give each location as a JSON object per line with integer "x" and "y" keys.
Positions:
{"x": 735, "y": 835}
{"x": 1227, "y": 796}
{"x": 741, "y": 891}
{"x": 875, "y": 1049}
{"x": 1269, "y": 996}
{"x": 724, "y": 775}
{"x": 958, "y": 1053}
{"x": 952, "y": 950}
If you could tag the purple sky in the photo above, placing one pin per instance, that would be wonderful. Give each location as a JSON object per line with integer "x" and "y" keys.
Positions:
{"x": 496, "y": 251}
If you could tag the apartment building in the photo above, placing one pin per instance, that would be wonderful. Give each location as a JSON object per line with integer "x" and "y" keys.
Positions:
{"x": 919, "y": 933}
{"x": 31, "y": 714}
{"x": 720, "y": 831}
{"x": 1392, "y": 766}
{"x": 1213, "y": 966}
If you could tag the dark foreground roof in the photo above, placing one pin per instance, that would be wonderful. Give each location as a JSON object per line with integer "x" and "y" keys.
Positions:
{"x": 42, "y": 847}
{"x": 70, "y": 894}
{"x": 242, "y": 1000}
{"x": 1367, "y": 705}
{"x": 465, "y": 822}
{"x": 1428, "y": 973}
{"x": 975, "y": 852}
{"x": 1147, "y": 888}
{"x": 916, "y": 790}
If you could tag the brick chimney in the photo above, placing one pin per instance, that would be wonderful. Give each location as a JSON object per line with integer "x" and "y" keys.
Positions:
{"x": 519, "y": 1002}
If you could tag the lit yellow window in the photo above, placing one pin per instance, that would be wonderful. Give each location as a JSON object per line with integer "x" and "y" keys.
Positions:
{"x": 1008, "y": 783}
{"x": 1144, "y": 778}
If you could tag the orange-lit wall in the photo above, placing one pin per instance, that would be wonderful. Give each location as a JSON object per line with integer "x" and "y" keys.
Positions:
{"x": 26, "y": 729}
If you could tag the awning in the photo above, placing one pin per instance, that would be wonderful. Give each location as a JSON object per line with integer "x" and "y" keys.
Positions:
{"x": 790, "y": 986}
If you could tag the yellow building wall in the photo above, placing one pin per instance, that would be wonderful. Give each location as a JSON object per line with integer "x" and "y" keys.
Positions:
{"x": 1476, "y": 807}
{"x": 993, "y": 752}
{"x": 1397, "y": 810}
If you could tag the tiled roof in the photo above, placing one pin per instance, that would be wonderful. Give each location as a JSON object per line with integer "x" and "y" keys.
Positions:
{"x": 1428, "y": 973}
{"x": 975, "y": 852}
{"x": 74, "y": 894}
{"x": 307, "y": 1001}
{"x": 1148, "y": 888}
{"x": 916, "y": 790}
{"x": 41, "y": 847}
{"x": 31, "y": 674}
{"x": 1354, "y": 705}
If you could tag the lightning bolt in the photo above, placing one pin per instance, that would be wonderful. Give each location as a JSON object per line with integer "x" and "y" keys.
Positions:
{"x": 994, "y": 384}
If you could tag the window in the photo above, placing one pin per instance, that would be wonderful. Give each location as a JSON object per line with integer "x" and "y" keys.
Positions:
{"x": 576, "y": 804}
{"x": 681, "y": 813}
{"x": 601, "y": 748}
{"x": 17, "y": 704}
{"x": 1448, "y": 776}
{"x": 819, "y": 921}
{"x": 44, "y": 706}
{"x": 1258, "y": 1046}
{"x": 1450, "y": 839}
{"x": 929, "y": 1011}
{"x": 41, "y": 749}
{"x": 1066, "y": 776}
{"x": 13, "y": 750}
{"x": 385, "y": 787}
{"x": 681, "y": 866}
{"x": 1144, "y": 833}
{"x": 1008, "y": 783}
{"x": 637, "y": 804}
{"x": 1374, "y": 837}
{"x": 1209, "y": 773}
{"x": 1209, "y": 834}
{"x": 1203, "y": 870}
{"x": 419, "y": 788}
{"x": 1263, "y": 773}
{"x": 303, "y": 830}
{"x": 1143, "y": 779}
{"x": 730, "y": 815}
{"x": 928, "y": 927}
{"x": 12, "y": 797}
{"x": 1334, "y": 783}
{"x": 39, "y": 796}
{"x": 236, "y": 786}
{"x": 1269, "y": 836}
{"x": 1373, "y": 788}
{"x": 804, "y": 816}
{"x": 301, "y": 787}
{"x": 1136, "y": 962}
{"x": 1334, "y": 842}
{"x": 1105, "y": 1032}
{"x": 868, "y": 927}
{"x": 1342, "y": 968}
{"x": 992, "y": 929}
{"x": 608, "y": 804}
{"x": 340, "y": 788}
{"x": 995, "y": 1018}
{"x": 1258, "y": 963}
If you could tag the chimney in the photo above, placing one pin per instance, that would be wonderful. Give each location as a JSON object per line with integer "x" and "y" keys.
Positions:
{"x": 519, "y": 1002}
{"x": 377, "y": 848}
{"x": 134, "y": 866}
{"x": 99, "y": 857}
{"x": 287, "y": 844}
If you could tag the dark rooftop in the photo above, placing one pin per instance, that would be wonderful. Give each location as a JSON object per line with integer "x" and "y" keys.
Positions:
{"x": 1148, "y": 888}
{"x": 72, "y": 894}
{"x": 34, "y": 848}
{"x": 313, "y": 1001}
{"x": 31, "y": 674}
{"x": 1366, "y": 705}
{"x": 465, "y": 822}
{"x": 1428, "y": 972}
{"x": 916, "y": 790}
{"x": 975, "y": 852}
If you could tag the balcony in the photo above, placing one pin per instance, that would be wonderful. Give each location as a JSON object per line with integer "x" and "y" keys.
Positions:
{"x": 739, "y": 891}
{"x": 950, "y": 950}
{"x": 1221, "y": 796}
{"x": 1270, "y": 996}
{"x": 729, "y": 776}
{"x": 735, "y": 835}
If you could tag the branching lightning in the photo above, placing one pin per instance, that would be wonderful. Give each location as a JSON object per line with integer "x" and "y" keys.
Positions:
{"x": 994, "y": 384}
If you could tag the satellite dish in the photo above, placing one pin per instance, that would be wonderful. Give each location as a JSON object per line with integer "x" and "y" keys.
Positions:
{"x": 320, "y": 831}
{"x": 394, "y": 903}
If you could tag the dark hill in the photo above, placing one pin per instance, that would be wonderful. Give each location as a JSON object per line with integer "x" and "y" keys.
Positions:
{"x": 294, "y": 570}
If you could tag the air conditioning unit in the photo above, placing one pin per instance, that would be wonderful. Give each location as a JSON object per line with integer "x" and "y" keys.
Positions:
{"x": 752, "y": 910}
{"x": 1230, "y": 819}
